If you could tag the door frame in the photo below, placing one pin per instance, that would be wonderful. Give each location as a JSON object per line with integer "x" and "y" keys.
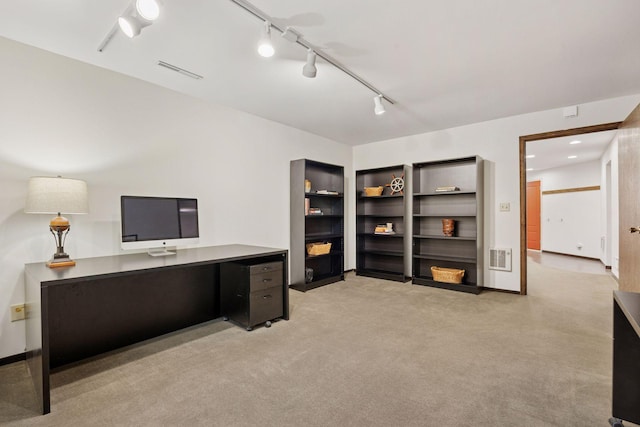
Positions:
{"x": 523, "y": 183}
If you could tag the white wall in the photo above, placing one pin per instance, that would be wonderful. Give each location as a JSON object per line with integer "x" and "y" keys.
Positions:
{"x": 125, "y": 136}
{"x": 497, "y": 141}
{"x": 570, "y": 222}
{"x": 610, "y": 222}
{"x": 585, "y": 174}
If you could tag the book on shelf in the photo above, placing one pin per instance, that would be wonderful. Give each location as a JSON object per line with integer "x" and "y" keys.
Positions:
{"x": 314, "y": 211}
{"x": 327, "y": 192}
{"x": 447, "y": 189}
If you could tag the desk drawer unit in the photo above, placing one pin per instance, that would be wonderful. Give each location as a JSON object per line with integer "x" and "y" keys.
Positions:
{"x": 252, "y": 294}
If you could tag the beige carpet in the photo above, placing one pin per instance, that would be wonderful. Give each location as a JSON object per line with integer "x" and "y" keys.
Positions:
{"x": 362, "y": 352}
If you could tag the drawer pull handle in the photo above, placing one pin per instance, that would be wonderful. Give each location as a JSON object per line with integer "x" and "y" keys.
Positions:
{"x": 266, "y": 268}
{"x": 267, "y": 297}
{"x": 266, "y": 280}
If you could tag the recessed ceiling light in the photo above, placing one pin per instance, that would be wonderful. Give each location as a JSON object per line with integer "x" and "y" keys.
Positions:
{"x": 575, "y": 142}
{"x": 572, "y": 157}
{"x": 529, "y": 169}
{"x": 529, "y": 156}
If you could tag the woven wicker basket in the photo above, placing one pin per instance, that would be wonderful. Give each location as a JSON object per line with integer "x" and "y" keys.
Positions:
{"x": 447, "y": 275}
{"x": 373, "y": 191}
{"x": 314, "y": 249}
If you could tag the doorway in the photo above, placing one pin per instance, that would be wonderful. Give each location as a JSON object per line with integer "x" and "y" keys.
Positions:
{"x": 523, "y": 184}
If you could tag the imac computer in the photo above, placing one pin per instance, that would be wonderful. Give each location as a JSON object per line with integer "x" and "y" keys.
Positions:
{"x": 158, "y": 223}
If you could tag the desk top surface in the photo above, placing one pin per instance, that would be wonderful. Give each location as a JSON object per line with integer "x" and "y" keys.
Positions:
{"x": 629, "y": 302}
{"x": 123, "y": 263}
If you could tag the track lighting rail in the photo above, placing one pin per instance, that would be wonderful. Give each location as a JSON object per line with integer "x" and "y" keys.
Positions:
{"x": 304, "y": 43}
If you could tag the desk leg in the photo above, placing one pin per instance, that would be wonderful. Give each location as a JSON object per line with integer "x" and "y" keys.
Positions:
{"x": 37, "y": 340}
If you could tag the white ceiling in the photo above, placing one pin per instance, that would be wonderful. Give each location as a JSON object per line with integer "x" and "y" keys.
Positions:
{"x": 446, "y": 63}
{"x": 555, "y": 152}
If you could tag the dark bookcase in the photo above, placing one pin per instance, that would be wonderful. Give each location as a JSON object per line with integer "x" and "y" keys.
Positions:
{"x": 326, "y": 196}
{"x": 383, "y": 255}
{"x": 463, "y": 250}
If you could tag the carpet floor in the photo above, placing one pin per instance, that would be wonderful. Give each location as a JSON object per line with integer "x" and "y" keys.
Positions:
{"x": 362, "y": 352}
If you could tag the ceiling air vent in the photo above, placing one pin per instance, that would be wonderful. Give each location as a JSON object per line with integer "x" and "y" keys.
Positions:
{"x": 500, "y": 259}
{"x": 180, "y": 70}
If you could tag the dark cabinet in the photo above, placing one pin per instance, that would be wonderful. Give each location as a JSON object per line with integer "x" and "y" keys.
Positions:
{"x": 625, "y": 396}
{"x": 317, "y": 218}
{"x": 252, "y": 294}
{"x": 383, "y": 230}
{"x": 449, "y": 190}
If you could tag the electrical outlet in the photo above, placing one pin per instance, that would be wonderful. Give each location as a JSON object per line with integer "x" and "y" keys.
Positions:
{"x": 17, "y": 312}
{"x": 505, "y": 207}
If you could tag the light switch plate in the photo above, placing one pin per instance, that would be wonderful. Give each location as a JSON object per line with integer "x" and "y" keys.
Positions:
{"x": 505, "y": 207}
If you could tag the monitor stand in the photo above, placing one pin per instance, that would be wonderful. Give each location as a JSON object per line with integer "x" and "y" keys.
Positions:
{"x": 160, "y": 251}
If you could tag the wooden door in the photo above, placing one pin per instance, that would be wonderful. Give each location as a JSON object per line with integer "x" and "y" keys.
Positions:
{"x": 629, "y": 183}
{"x": 533, "y": 215}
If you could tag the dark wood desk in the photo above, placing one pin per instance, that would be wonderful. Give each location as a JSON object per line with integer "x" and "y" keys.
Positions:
{"x": 626, "y": 358}
{"x": 109, "y": 302}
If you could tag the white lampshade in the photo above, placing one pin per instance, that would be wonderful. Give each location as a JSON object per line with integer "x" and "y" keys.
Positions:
{"x": 52, "y": 195}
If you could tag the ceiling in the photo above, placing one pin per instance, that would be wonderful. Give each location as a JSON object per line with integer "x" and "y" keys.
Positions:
{"x": 555, "y": 152}
{"x": 445, "y": 63}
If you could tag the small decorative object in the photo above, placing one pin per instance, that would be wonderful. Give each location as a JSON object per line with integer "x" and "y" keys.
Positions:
{"x": 397, "y": 184}
{"x": 384, "y": 229}
{"x": 448, "y": 226}
{"x": 315, "y": 249}
{"x": 308, "y": 275}
{"x": 307, "y": 186}
{"x": 315, "y": 211}
{"x": 306, "y": 205}
{"x": 447, "y": 275}
{"x": 446, "y": 189}
{"x": 373, "y": 191}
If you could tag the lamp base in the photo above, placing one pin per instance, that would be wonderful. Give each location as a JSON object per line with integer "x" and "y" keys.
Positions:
{"x": 61, "y": 263}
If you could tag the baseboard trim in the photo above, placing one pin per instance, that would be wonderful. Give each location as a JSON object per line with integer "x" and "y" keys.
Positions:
{"x": 575, "y": 256}
{"x": 13, "y": 359}
{"x": 504, "y": 291}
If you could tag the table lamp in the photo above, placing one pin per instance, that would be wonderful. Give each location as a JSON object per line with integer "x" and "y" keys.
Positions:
{"x": 56, "y": 195}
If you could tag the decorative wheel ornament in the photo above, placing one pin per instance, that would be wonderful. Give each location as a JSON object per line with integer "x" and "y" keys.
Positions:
{"x": 397, "y": 184}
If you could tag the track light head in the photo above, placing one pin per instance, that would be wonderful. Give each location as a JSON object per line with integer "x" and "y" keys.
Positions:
{"x": 379, "y": 108}
{"x": 143, "y": 13}
{"x": 130, "y": 26}
{"x": 309, "y": 69}
{"x": 148, "y": 9}
{"x": 265, "y": 48}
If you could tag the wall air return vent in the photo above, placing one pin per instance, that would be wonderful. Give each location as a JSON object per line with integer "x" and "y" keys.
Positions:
{"x": 500, "y": 259}
{"x": 180, "y": 70}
